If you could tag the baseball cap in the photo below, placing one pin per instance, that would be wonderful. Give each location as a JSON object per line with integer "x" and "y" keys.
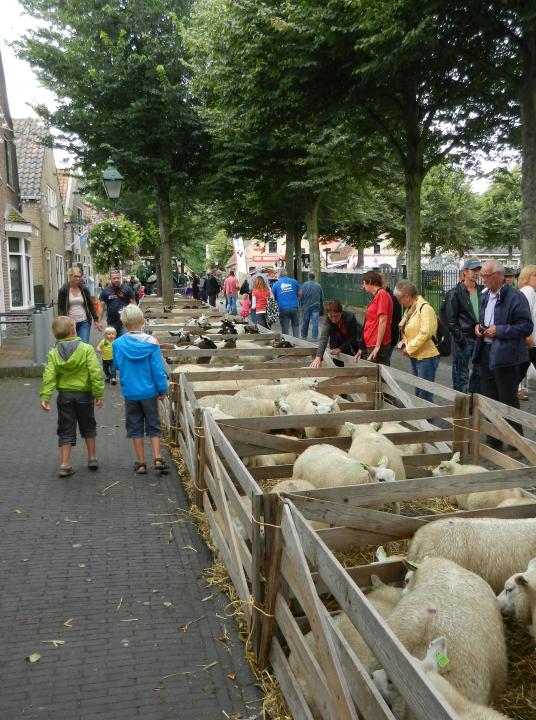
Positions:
{"x": 472, "y": 265}
{"x": 509, "y": 272}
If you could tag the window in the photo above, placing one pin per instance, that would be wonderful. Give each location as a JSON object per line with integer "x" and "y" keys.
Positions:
{"x": 60, "y": 272}
{"x": 52, "y": 199}
{"x": 79, "y": 220}
{"x": 272, "y": 246}
{"x": 377, "y": 249}
{"x": 20, "y": 272}
{"x": 10, "y": 163}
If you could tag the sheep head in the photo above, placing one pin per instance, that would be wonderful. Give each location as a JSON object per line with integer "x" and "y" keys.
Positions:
{"x": 381, "y": 472}
{"x": 324, "y": 407}
{"x": 447, "y": 466}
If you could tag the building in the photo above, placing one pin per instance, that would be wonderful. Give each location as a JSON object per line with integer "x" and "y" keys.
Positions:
{"x": 77, "y": 217}
{"x": 16, "y": 232}
{"x": 269, "y": 254}
{"x": 41, "y": 205}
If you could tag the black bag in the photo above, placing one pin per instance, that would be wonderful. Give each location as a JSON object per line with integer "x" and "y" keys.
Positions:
{"x": 442, "y": 339}
{"x": 244, "y": 288}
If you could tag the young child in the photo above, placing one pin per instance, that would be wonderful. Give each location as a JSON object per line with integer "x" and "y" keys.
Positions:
{"x": 143, "y": 381}
{"x": 105, "y": 348}
{"x": 246, "y": 306}
{"x": 72, "y": 367}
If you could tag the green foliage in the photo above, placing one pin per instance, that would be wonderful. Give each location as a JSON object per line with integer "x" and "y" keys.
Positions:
{"x": 113, "y": 241}
{"x": 501, "y": 209}
{"x": 220, "y": 249}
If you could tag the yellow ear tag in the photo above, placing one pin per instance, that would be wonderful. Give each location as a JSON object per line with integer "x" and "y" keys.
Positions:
{"x": 442, "y": 660}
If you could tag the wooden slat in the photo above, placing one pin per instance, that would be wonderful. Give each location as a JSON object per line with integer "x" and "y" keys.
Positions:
{"x": 291, "y": 690}
{"x": 510, "y": 413}
{"x": 499, "y": 458}
{"x": 509, "y": 435}
{"x": 234, "y": 353}
{"x": 392, "y": 655}
{"x": 435, "y": 388}
{"x": 274, "y": 548}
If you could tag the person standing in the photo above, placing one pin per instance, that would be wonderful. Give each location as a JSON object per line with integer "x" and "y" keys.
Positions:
{"x": 135, "y": 286}
{"x": 287, "y": 293}
{"x": 230, "y": 290}
{"x": 527, "y": 285}
{"x": 195, "y": 287}
{"x": 417, "y": 329}
{"x": 462, "y": 312}
{"x": 114, "y": 299}
{"x": 378, "y": 316}
{"x": 260, "y": 295}
{"x": 312, "y": 299}
{"x": 341, "y": 331}
{"x": 74, "y": 301}
{"x": 395, "y": 320}
{"x": 212, "y": 287}
{"x": 505, "y": 323}
{"x": 509, "y": 276}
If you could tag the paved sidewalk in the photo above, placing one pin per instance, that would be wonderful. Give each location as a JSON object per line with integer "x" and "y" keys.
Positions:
{"x": 96, "y": 573}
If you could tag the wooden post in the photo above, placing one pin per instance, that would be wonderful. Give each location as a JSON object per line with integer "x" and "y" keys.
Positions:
{"x": 200, "y": 484}
{"x": 272, "y": 561}
{"x": 475, "y": 435}
{"x": 460, "y": 422}
{"x": 258, "y": 569}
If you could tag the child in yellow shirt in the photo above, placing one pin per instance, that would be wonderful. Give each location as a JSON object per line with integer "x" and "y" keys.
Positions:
{"x": 105, "y": 348}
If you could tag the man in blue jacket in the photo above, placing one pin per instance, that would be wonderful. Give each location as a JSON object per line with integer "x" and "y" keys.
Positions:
{"x": 143, "y": 379}
{"x": 505, "y": 323}
{"x": 287, "y": 293}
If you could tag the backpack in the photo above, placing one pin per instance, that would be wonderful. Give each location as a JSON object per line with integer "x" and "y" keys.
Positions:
{"x": 272, "y": 311}
{"x": 442, "y": 339}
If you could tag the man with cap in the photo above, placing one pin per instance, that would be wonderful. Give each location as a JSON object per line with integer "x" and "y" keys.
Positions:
{"x": 509, "y": 275}
{"x": 462, "y": 311}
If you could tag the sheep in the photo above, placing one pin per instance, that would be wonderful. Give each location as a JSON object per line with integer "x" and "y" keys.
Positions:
{"x": 311, "y": 403}
{"x": 239, "y": 407}
{"x": 273, "y": 392}
{"x": 370, "y": 447}
{"x": 444, "y": 599}
{"x": 281, "y": 458}
{"x": 436, "y": 658}
{"x": 327, "y": 466}
{"x": 391, "y": 427}
{"x": 493, "y": 548}
{"x": 384, "y": 599}
{"x": 523, "y": 500}
{"x": 518, "y": 597}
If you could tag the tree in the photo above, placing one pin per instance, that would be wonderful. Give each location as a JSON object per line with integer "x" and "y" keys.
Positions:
{"x": 220, "y": 249}
{"x": 501, "y": 209}
{"x": 121, "y": 80}
{"x": 114, "y": 240}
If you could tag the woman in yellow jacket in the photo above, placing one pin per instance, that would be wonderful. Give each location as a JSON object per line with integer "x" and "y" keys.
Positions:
{"x": 417, "y": 327}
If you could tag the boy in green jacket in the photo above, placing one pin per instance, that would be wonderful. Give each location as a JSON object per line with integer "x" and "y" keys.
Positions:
{"x": 72, "y": 367}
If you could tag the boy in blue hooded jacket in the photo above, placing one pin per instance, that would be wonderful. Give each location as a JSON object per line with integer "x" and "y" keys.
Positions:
{"x": 143, "y": 382}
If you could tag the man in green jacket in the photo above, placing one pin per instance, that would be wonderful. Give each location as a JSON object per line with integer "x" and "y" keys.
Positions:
{"x": 73, "y": 369}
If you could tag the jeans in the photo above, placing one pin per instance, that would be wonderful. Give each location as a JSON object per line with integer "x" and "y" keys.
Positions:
{"x": 425, "y": 369}
{"x": 83, "y": 329}
{"x": 310, "y": 313}
{"x": 260, "y": 319}
{"x": 230, "y": 304}
{"x": 461, "y": 361}
{"x": 286, "y": 317}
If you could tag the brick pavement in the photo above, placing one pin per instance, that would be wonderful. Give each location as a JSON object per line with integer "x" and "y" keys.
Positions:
{"x": 102, "y": 564}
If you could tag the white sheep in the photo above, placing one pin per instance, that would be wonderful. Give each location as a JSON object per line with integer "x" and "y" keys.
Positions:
{"x": 275, "y": 458}
{"x": 370, "y": 447}
{"x": 491, "y": 547}
{"x": 389, "y": 427}
{"x": 474, "y": 500}
{"x": 432, "y": 665}
{"x": 444, "y": 599}
{"x": 328, "y": 466}
{"x": 311, "y": 403}
{"x": 384, "y": 598}
{"x": 518, "y": 597}
{"x": 291, "y": 486}
{"x": 273, "y": 392}
{"x": 510, "y": 502}
{"x": 242, "y": 407}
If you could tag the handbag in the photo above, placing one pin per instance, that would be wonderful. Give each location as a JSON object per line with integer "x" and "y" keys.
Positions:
{"x": 272, "y": 311}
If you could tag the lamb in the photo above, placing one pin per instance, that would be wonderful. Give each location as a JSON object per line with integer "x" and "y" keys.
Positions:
{"x": 275, "y": 458}
{"x": 493, "y": 548}
{"x": 311, "y": 403}
{"x": 431, "y": 665}
{"x": 327, "y": 466}
{"x": 273, "y": 392}
{"x": 239, "y": 407}
{"x": 518, "y": 597}
{"x": 444, "y": 599}
{"x": 370, "y": 447}
{"x": 390, "y": 427}
{"x": 384, "y": 598}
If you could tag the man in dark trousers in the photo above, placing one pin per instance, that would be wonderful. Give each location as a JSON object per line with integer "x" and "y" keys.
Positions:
{"x": 462, "y": 312}
{"x": 212, "y": 287}
{"x": 505, "y": 323}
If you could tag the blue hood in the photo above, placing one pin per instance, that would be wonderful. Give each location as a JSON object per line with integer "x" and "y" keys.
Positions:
{"x": 141, "y": 369}
{"x": 135, "y": 349}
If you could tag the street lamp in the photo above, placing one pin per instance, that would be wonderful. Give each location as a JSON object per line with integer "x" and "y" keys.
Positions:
{"x": 112, "y": 180}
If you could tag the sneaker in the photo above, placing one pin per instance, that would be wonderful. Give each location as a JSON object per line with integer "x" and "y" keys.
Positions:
{"x": 113, "y": 381}
{"x": 93, "y": 464}
{"x": 65, "y": 471}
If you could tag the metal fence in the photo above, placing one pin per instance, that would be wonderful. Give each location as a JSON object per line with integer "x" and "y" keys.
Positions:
{"x": 348, "y": 286}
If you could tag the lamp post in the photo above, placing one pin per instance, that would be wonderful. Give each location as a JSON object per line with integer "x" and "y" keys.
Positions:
{"x": 112, "y": 180}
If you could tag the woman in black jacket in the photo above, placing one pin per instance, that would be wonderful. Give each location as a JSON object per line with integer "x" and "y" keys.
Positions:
{"x": 341, "y": 330}
{"x": 75, "y": 302}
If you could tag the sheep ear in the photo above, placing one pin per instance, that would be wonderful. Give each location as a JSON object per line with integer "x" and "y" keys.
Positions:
{"x": 383, "y": 462}
{"x": 436, "y": 656}
{"x": 349, "y": 426}
{"x": 381, "y": 554}
{"x": 376, "y": 426}
{"x": 531, "y": 565}
{"x": 376, "y": 582}
{"x": 521, "y": 580}
{"x": 456, "y": 457}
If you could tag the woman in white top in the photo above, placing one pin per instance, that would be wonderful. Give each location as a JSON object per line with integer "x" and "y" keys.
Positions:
{"x": 75, "y": 301}
{"x": 527, "y": 285}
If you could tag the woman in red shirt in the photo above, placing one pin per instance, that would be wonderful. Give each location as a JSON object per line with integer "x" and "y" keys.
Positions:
{"x": 378, "y": 317}
{"x": 260, "y": 295}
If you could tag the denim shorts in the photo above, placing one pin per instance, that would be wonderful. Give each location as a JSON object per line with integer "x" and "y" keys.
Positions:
{"x": 142, "y": 418}
{"x": 75, "y": 408}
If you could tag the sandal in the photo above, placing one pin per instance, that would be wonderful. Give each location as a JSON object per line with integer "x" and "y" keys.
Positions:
{"x": 65, "y": 471}
{"x": 161, "y": 466}
{"x": 93, "y": 463}
{"x": 140, "y": 468}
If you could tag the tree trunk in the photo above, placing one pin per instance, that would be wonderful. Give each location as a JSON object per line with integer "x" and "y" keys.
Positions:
{"x": 527, "y": 101}
{"x": 164, "y": 229}
{"x": 298, "y": 234}
{"x": 290, "y": 265}
{"x": 413, "y": 185}
{"x": 312, "y": 204}
{"x": 361, "y": 248}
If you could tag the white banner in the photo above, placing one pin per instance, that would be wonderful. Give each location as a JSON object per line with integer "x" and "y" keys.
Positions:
{"x": 241, "y": 265}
